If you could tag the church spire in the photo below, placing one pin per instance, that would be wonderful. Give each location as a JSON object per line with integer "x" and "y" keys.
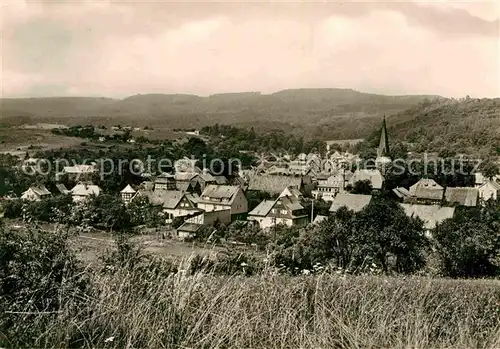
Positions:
{"x": 383, "y": 146}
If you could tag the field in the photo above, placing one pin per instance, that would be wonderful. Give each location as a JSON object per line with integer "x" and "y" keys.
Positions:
{"x": 271, "y": 311}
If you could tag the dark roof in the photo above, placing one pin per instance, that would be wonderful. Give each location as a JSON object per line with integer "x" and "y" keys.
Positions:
{"x": 463, "y": 196}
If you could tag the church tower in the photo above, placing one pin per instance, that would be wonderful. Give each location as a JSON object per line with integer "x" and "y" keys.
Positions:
{"x": 383, "y": 159}
{"x": 383, "y": 146}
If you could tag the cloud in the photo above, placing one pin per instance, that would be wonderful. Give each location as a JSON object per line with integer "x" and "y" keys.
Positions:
{"x": 111, "y": 49}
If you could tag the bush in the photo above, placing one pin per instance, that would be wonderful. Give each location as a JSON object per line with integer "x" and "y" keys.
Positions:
{"x": 38, "y": 273}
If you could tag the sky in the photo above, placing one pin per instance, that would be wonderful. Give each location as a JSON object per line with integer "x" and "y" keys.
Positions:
{"x": 123, "y": 48}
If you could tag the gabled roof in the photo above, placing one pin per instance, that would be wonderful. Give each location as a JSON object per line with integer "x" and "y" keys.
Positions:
{"x": 290, "y": 191}
{"x": 495, "y": 185}
{"x": 463, "y": 196}
{"x": 430, "y": 214}
{"x": 128, "y": 190}
{"x": 272, "y": 184}
{"x": 262, "y": 209}
{"x": 169, "y": 198}
{"x": 85, "y": 189}
{"x": 291, "y": 202}
{"x": 353, "y": 202}
{"x": 425, "y": 183}
{"x": 220, "y": 191}
{"x": 40, "y": 190}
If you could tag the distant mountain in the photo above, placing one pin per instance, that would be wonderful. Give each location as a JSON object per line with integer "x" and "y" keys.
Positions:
{"x": 323, "y": 113}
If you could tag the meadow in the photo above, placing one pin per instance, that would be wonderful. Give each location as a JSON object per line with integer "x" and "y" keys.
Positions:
{"x": 155, "y": 308}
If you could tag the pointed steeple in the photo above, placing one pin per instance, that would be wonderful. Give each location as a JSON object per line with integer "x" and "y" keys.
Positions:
{"x": 383, "y": 146}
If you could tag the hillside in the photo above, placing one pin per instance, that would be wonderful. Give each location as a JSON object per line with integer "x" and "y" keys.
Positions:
{"x": 470, "y": 126}
{"x": 307, "y": 111}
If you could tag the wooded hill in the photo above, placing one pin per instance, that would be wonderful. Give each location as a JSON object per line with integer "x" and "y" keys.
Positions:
{"x": 348, "y": 112}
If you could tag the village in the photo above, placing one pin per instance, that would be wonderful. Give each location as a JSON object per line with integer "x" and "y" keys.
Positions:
{"x": 194, "y": 198}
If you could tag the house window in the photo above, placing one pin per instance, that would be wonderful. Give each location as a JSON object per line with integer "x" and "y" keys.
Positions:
{"x": 273, "y": 210}
{"x": 284, "y": 211}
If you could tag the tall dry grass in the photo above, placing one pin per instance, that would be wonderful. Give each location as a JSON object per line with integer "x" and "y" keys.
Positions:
{"x": 200, "y": 310}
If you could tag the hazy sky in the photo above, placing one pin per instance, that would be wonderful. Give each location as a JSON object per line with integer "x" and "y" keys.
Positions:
{"x": 116, "y": 49}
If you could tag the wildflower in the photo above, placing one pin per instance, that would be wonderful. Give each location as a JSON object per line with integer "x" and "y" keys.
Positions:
{"x": 160, "y": 331}
{"x": 109, "y": 339}
{"x": 243, "y": 264}
{"x": 306, "y": 271}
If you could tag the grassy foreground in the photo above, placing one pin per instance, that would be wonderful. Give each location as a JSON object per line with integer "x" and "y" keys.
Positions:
{"x": 179, "y": 310}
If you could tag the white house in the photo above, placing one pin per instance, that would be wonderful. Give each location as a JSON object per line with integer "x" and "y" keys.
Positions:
{"x": 327, "y": 189}
{"x": 489, "y": 190}
{"x": 175, "y": 204}
{"x": 127, "y": 194}
{"x": 36, "y": 193}
{"x": 285, "y": 210}
{"x": 82, "y": 191}
{"x": 223, "y": 197}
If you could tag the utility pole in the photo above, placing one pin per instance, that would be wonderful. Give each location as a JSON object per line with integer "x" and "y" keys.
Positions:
{"x": 312, "y": 210}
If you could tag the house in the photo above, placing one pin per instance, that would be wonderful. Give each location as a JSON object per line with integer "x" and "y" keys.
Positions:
{"x": 205, "y": 178}
{"x": 489, "y": 190}
{"x": 210, "y": 218}
{"x": 165, "y": 181}
{"x": 425, "y": 183}
{"x": 273, "y": 184}
{"x": 127, "y": 194}
{"x": 427, "y": 196}
{"x": 290, "y": 191}
{"x": 430, "y": 215}
{"x": 83, "y": 191}
{"x": 187, "y": 182}
{"x": 78, "y": 172}
{"x": 285, "y": 210}
{"x": 327, "y": 189}
{"x": 374, "y": 176}
{"x": 61, "y": 188}
{"x": 480, "y": 179}
{"x": 223, "y": 197}
{"x": 353, "y": 202}
{"x": 462, "y": 196}
{"x": 36, "y": 193}
{"x": 426, "y": 191}
{"x": 188, "y": 230}
{"x": 175, "y": 204}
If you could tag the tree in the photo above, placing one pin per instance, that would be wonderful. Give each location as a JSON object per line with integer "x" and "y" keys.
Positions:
{"x": 489, "y": 169}
{"x": 362, "y": 187}
{"x": 468, "y": 244}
